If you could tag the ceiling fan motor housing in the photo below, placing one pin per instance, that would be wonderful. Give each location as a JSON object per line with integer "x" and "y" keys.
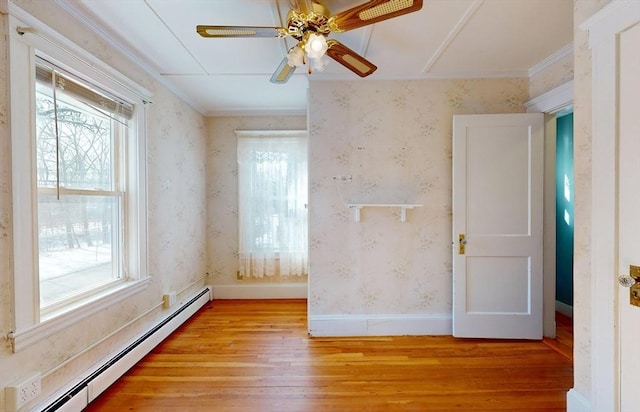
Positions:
{"x": 317, "y": 21}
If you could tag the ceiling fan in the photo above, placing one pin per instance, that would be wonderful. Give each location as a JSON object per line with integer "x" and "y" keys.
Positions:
{"x": 310, "y": 23}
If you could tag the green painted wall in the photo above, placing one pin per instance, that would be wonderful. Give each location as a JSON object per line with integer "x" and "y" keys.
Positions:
{"x": 564, "y": 210}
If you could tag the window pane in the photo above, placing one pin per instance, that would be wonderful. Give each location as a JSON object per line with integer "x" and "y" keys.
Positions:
{"x": 84, "y": 147}
{"x": 272, "y": 213}
{"x": 272, "y": 181}
{"x": 78, "y": 244}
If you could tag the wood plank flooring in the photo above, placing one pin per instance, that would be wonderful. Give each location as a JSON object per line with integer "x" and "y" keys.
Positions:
{"x": 256, "y": 356}
{"x": 563, "y": 343}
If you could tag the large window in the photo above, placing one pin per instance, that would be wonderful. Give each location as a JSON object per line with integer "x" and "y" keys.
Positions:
{"x": 80, "y": 135}
{"x": 272, "y": 199}
{"x": 78, "y": 184}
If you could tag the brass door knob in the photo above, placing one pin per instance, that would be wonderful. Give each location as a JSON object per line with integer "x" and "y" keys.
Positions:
{"x": 462, "y": 243}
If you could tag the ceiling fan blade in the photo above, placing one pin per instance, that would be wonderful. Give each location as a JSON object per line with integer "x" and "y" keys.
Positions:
{"x": 283, "y": 72}
{"x": 302, "y": 6}
{"x": 350, "y": 59}
{"x": 238, "y": 31}
{"x": 374, "y": 11}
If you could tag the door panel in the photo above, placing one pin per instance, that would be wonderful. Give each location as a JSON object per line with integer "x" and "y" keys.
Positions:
{"x": 629, "y": 211}
{"x": 511, "y": 273}
{"x": 497, "y": 205}
{"x": 492, "y": 154}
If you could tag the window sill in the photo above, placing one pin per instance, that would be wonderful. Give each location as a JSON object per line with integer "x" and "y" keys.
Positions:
{"x": 24, "y": 338}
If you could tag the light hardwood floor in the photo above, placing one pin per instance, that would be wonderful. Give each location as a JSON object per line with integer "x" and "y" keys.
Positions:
{"x": 256, "y": 356}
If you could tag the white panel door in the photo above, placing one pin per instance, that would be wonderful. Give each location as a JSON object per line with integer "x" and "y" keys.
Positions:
{"x": 497, "y": 207}
{"x": 629, "y": 211}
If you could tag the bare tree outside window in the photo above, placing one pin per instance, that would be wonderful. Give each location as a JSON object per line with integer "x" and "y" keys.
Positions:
{"x": 78, "y": 198}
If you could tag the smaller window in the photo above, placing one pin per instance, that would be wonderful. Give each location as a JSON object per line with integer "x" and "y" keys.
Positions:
{"x": 272, "y": 190}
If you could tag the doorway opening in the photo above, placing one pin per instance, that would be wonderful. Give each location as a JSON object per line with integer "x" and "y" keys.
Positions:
{"x": 564, "y": 214}
{"x": 564, "y": 233}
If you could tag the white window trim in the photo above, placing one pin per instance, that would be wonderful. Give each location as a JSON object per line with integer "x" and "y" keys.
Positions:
{"x": 27, "y": 327}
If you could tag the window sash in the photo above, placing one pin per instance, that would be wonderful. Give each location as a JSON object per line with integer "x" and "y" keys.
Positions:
{"x": 85, "y": 278}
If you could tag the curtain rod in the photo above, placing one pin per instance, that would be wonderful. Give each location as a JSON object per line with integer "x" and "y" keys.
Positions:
{"x": 29, "y": 30}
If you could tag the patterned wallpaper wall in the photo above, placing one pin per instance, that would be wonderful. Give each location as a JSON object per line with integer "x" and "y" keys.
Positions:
{"x": 583, "y": 9}
{"x": 176, "y": 147}
{"x": 222, "y": 194}
{"x": 394, "y": 139}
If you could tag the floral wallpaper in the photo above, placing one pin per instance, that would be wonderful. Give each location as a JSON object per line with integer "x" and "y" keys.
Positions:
{"x": 222, "y": 194}
{"x": 583, "y": 9}
{"x": 394, "y": 139}
{"x": 176, "y": 160}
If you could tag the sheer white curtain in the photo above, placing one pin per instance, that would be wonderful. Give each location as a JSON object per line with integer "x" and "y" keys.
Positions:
{"x": 272, "y": 203}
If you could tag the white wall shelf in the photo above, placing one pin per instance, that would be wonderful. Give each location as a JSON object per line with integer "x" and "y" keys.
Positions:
{"x": 403, "y": 208}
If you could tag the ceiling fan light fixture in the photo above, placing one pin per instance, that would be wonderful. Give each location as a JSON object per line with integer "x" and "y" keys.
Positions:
{"x": 318, "y": 64}
{"x": 315, "y": 46}
{"x": 311, "y": 49}
{"x": 295, "y": 56}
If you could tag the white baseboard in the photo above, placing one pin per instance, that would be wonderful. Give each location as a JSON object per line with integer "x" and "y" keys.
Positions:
{"x": 565, "y": 309}
{"x": 379, "y": 325}
{"x": 576, "y": 402}
{"x": 85, "y": 388}
{"x": 270, "y": 291}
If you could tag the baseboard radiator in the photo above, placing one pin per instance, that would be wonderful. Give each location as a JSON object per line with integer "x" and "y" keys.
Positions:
{"x": 81, "y": 394}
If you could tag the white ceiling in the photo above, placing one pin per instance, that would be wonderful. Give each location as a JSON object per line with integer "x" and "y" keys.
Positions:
{"x": 446, "y": 39}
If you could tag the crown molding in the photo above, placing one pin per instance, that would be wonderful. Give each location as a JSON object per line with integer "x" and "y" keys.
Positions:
{"x": 98, "y": 29}
{"x": 258, "y": 112}
{"x": 551, "y": 60}
{"x": 553, "y": 101}
{"x": 424, "y": 76}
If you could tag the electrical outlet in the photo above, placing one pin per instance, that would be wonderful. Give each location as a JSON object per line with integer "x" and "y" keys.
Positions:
{"x": 343, "y": 178}
{"x": 22, "y": 392}
{"x": 169, "y": 299}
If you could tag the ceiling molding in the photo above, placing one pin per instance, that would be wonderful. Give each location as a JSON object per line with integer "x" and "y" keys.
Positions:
{"x": 477, "y": 75}
{"x": 175, "y": 36}
{"x": 468, "y": 14}
{"x": 257, "y": 112}
{"x": 553, "y": 101}
{"x": 425, "y": 76}
{"x": 367, "y": 33}
{"x": 41, "y": 32}
{"x": 105, "y": 35}
{"x": 271, "y": 133}
{"x": 99, "y": 30}
{"x": 551, "y": 60}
